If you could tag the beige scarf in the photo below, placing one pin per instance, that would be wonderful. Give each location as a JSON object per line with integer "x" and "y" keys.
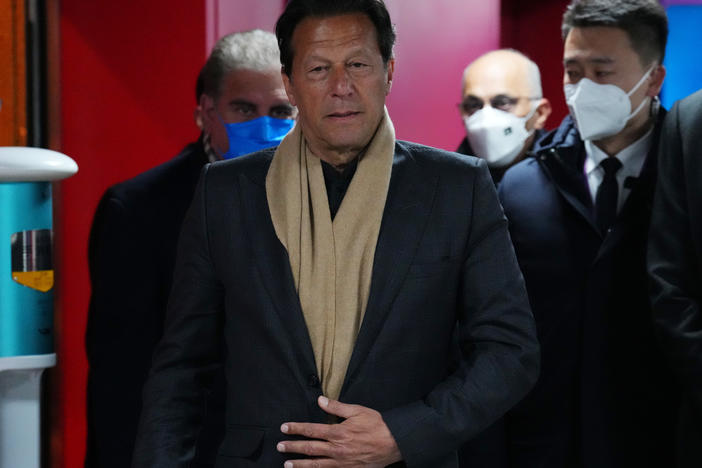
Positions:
{"x": 332, "y": 262}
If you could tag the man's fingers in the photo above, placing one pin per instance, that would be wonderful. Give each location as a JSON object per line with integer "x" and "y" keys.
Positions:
{"x": 338, "y": 408}
{"x": 313, "y": 448}
{"x": 319, "y": 463}
{"x": 311, "y": 430}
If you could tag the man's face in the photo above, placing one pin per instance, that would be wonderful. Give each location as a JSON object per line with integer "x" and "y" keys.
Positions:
{"x": 338, "y": 82}
{"x": 244, "y": 95}
{"x": 605, "y": 56}
{"x": 501, "y": 81}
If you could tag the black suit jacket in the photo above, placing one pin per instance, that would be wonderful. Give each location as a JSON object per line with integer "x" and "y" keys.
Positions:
{"x": 131, "y": 256}
{"x": 605, "y": 397}
{"x": 443, "y": 265}
{"x": 675, "y": 263}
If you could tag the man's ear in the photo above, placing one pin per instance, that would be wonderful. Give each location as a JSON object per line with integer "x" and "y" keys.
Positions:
{"x": 287, "y": 82}
{"x": 543, "y": 111}
{"x": 657, "y": 77}
{"x": 390, "y": 71}
{"x": 197, "y": 117}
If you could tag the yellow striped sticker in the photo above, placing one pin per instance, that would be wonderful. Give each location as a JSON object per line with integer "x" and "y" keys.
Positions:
{"x": 40, "y": 280}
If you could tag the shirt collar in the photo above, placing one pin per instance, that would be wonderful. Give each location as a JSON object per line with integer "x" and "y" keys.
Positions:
{"x": 632, "y": 157}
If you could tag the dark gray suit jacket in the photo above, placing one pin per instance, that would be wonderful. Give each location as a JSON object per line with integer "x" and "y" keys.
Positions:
{"x": 675, "y": 263}
{"x": 444, "y": 267}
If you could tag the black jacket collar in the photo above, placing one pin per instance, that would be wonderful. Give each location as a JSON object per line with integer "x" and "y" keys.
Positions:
{"x": 561, "y": 154}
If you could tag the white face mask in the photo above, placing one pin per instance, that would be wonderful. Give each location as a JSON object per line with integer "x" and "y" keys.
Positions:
{"x": 497, "y": 136}
{"x": 601, "y": 110}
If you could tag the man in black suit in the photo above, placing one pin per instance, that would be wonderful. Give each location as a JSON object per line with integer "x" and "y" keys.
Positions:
{"x": 579, "y": 213}
{"x": 332, "y": 275}
{"x": 135, "y": 230}
{"x": 675, "y": 264}
{"x": 504, "y": 113}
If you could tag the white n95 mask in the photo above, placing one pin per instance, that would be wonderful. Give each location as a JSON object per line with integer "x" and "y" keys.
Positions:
{"x": 497, "y": 136}
{"x": 600, "y": 110}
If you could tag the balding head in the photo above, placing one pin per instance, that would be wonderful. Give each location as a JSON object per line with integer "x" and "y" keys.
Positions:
{"x": 504, "y": 71}
{"x": 505, "y": 80}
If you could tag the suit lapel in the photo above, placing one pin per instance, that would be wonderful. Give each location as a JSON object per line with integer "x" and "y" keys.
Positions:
{"x": 565, "y": 167}
{"x": 274, "y": 267}
{"x": 407, "y": 209}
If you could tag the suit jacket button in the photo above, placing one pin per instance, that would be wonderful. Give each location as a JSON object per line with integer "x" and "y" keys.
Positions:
{"x": 313, "y": 380}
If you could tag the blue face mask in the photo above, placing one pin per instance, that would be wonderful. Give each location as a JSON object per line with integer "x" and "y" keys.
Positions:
{"x": 254, "y": 135}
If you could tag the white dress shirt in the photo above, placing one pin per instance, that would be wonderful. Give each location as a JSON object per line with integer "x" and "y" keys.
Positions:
{"x": 632, "y": 158}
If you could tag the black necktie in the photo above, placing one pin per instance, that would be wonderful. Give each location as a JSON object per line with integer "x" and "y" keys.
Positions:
{"x": 607, "y": 193}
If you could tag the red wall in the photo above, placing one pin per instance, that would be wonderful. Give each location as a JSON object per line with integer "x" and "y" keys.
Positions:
{"x": 534, "y": 28}
{"x": 127, "y": 92}
{"x": 227, "y": 16}
{"x": 435, "y": 42}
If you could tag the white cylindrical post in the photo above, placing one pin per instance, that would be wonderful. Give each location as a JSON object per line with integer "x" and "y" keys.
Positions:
{"x": 26, "y": 295}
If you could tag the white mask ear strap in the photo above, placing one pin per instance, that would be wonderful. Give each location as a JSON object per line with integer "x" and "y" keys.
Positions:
{"x": 643, "y": 101}
{"x": 532, "y": 111}
{"x": 643, "y": 78}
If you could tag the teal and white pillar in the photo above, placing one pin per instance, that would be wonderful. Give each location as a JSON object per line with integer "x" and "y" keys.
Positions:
{"x": 26, "y": 295}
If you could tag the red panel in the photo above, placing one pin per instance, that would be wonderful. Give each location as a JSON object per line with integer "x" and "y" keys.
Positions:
{"x": 435, "y": 42}
{"x": 127, "y": 77}
{"x": 227, "y": 16}
{"x": 534, "y": 28}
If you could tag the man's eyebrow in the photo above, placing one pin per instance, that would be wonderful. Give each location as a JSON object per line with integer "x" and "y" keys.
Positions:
{"x": 242, "y": 102}
{"x": 601, "y": 60}
{"x": 282, "y": 106}
{"x": 353, "y": 53}
{"x": 595, "y": 60}
{"x": 316, "y": 58}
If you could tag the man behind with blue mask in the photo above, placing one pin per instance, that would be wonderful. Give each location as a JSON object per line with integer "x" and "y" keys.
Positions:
{"x": 242, "y": 107}
{"x": 579, "y": 213}
{"x": 503, "y": 109}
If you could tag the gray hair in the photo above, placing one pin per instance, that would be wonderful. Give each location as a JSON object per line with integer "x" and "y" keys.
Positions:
{"x": 533, "y": 73}
{"x": 250, "y": 50}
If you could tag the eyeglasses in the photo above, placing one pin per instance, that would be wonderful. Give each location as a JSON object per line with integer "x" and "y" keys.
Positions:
{"x": 503, "y": 102}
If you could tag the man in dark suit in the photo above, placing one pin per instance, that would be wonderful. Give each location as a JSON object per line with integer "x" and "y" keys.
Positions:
{"x": 503, "y": 109}
{"x": 579, "y": 213}
{"x": 504, "y": 113}
{"x": 675, "y": 264}
{"x": 330, "y": 277}
{"x": 134, "y": 235}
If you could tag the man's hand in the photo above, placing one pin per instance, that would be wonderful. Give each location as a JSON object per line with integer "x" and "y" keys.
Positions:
{"x": 362, "y": 439}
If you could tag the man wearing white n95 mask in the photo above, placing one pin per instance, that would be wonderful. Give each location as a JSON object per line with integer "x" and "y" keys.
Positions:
{"x": 503, "y": 109}
{"x": 579, "y": 213}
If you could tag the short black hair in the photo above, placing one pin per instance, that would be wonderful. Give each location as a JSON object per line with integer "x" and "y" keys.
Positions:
{"x": 297, "y": 10}
{"x": 644, "y": 21}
